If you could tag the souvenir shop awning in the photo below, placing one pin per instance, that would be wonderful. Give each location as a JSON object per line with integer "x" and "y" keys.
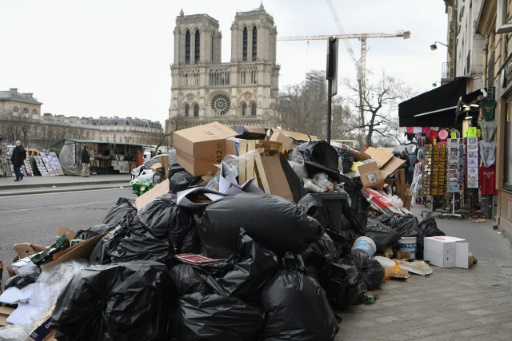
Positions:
{"x": 435, "y": 108}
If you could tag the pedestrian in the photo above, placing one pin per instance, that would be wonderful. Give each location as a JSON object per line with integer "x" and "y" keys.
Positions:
{"x": 413, "y": 159}
{"x": 405, "y": 156}
{"x": 139, "y": 160}
{"x": 86, "y": 160}
{"x": 18, "y": 158}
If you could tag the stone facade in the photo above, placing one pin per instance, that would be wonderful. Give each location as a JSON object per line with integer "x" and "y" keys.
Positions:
{"x": 21, "y": 119}
{"x": 241, "y": 92}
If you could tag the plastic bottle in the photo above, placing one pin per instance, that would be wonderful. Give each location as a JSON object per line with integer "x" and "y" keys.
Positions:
{"x": 368, "y": 299}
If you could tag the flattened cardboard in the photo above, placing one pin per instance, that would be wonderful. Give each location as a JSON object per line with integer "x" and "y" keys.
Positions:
{"x": 199, "y": 148}
{"x": 80, "y": 250}
{"x": 157, "y": 191}
{"x": 271, "y": 174}
{"x": 387, "y": 162}
{"x": 4, "y": 314}
{"x": 289, "y": 138}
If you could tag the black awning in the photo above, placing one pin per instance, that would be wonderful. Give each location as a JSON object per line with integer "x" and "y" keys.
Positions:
{"x": 435, "y": 108}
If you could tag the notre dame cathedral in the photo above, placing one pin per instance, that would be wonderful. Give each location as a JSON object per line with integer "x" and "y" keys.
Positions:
{"x": 241, "y": 92}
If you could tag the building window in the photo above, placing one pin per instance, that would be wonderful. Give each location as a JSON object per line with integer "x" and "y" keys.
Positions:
{"x": 244, "y": 109}
{"x": 187, "y": 108}
{"x": 254, "y": 43}
{"x": 196, "y": 110}
{"x": 244, "y": 45}
{"x": 187, "y": 47}
{"x": 25, "y": 112}
{"x": 220, "y": 104}
{"x": 197, "y": 44}
{"x": 253, "y": 109}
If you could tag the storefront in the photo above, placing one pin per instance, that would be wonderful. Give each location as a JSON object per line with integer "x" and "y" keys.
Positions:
{"x": 106, "y": 157}
{"x": 448, "y": 126}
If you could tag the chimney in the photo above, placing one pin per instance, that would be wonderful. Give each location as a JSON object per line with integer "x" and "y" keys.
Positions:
{"x": 60, "y": 118}
{"x": 14, "y": 91}
{"x": 47, "y": 115}
{"x": 29, "y": 95}
{"x": 73, "y": 119}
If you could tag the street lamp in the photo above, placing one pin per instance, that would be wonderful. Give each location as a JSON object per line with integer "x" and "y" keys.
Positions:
{"x": 433, "y": 47}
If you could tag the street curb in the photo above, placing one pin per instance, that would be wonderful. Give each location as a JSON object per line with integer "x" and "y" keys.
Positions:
{"x": 62, "y": 189}
{"x": 64, "y": 184}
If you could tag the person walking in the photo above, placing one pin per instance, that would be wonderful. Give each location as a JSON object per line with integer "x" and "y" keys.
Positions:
{"x": 139, "y": 160}
{"x": 86, "y": 160}
{"x": 18, "y": 158}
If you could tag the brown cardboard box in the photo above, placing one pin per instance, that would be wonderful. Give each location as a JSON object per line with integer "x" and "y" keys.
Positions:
{"x": 287, "y": 138}
{"x": 199, "y": 148}
{"x": 155, "y": 192}
{"x": 371, "y": 176}
{"x": 271, "y": 177}
{"x": 387, "y": 162}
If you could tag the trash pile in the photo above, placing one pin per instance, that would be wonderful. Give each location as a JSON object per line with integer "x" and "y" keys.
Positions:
{"x": 246, "y": 239}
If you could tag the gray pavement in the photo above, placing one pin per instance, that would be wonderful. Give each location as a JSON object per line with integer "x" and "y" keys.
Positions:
{"x": 449, "y": 304}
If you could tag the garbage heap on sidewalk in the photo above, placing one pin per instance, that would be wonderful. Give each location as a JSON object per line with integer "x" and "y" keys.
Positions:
{"x": 250, "y": 237}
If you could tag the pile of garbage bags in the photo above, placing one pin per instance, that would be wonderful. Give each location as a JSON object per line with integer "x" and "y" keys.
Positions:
{"x": 269, "y": 268}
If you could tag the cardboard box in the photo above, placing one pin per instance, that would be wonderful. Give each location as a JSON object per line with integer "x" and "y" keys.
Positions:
{"x": 371, "y": 176}
{"x": 159, "y": 190}
{"x": 289, "y": 139}
{"x": 4, "y": 314}
{"x": 387, "y": 162}
{"x": 250, "y": 132}
{"x": 445, "y": 251}
{"x": 199, "y": 148}
{"x": 271, "y": 177}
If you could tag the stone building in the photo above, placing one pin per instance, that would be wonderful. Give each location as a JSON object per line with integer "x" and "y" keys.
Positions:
{"x": 241, "y": 92}
{"x": 21, "y": 119}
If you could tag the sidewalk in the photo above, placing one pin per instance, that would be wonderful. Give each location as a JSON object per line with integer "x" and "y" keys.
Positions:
{"x": 65, "y": 183}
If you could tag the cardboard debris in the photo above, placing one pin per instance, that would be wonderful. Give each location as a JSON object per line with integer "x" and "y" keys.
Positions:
{"x": 4, "y": 314}
{"x": 290, "y": 139}
{"x": 157, "y": 191}
{"x": 199, "y": 148}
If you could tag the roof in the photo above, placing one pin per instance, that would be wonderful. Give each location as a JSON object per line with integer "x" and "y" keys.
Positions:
{"x": 64, "y": 141}
{"x": 18, "y": 97}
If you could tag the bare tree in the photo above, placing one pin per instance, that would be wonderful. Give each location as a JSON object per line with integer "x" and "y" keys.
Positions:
{"x": 15, "y": 126}
{"x": 379, "y": 121}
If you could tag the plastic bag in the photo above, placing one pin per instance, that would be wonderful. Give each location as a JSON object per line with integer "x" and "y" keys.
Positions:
{"x": 357, "y": 213}
{"x": 370, "y": 270}
{"x": 187, "y": 280}
{"x": 296, "y": 306}
{"x": 270, "y": 220}
{"x": 101, "y": 252}
{"x": 22, "y": 280}
{"x": 213, "y": 317}
{"x": 245, "y": 275}
{"x": 93, "y": 231}
{"x": 123, "y": 213}
{"x": 163, "y": 218}
{"x": 404, "y": 225}
{"x": 124, "y": 301}
{"x": 426, "y": 228}
{"x": 182, "y": 180}
{"x": 381, "y": 234}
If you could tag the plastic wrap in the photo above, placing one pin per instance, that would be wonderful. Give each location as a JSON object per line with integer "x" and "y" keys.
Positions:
{"x": 125, "y": 301}
{"x": 271, "y": 220}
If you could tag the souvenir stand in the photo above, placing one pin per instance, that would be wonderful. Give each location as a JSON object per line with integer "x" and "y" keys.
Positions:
{"x": 455, "y": 175}
{"x": 434, "y": 174}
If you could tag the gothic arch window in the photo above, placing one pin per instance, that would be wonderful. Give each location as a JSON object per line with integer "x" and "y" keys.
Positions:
{"x": 187, "y": 47}
{"x": 15, "y": 111}
{"x": 244, "y": 45}
{"x": 254, "y": 43}
{"x": 197, "y": 44}
{"x": 253, "y": 109}
{"x": 196, "y": 110}
{"x": 220, "y": 104}
{"x": 244, "y": 109}
{"x": 187, "y": 109}
{"x": 25, "y": 112}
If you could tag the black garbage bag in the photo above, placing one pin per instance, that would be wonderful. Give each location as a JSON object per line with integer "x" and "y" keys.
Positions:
{"x": 213, "y": 317}
{"x": 296, "y": 306}
{"x": 163, "y": 218}
{"x": 101, "y": 252}
{"x": 272, "y": 221}
{"x": 22, "y": 280}
{"x": 383, "y": 235}
{"x": 124, "y": 301}
{"x": 182, "y": 180}
{"x": 320, "y": 157}
{"x": 346, "y": 158}
{"x": 404, "y": 225}
{"x": 242, "y": 275}
{"x": 94, "y": 231}
{"x": 340, "y": 281}
{"x": 140, "y": 244}
{"x": 426, "y": 228}
{"x": 371, "y": 271}
{"x": 357, "y": 211}
{"x": 191, "y": 243}
{"x": 188, "y": 281}
{"x": 328, "y": 209}
{"x": 123, "y": 213}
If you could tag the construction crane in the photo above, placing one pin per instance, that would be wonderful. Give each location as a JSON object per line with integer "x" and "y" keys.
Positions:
{"x": 361, "y": 65}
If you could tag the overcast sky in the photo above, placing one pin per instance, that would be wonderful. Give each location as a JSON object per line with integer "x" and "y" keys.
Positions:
{"x": 112, "y": 57}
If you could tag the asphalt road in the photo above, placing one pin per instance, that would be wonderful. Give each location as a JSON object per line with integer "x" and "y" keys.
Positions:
{"x": 35, "y": 218}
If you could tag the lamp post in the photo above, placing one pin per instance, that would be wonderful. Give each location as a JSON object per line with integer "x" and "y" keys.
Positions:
{"x": 433, "y": 47}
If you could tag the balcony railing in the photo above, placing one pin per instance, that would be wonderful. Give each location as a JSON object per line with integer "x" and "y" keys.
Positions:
{"x": 448, "y": 70}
